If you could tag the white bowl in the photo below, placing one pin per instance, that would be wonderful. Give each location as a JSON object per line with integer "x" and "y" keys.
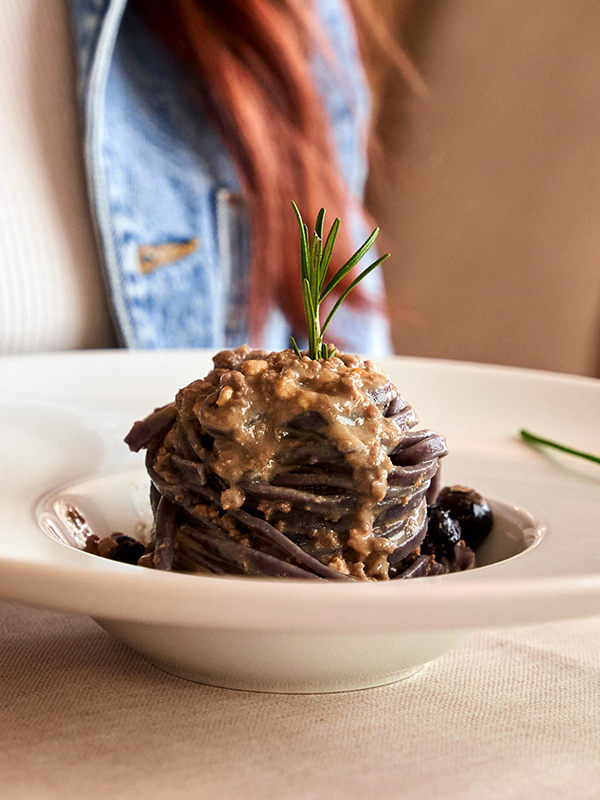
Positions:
{"x": 62, "y": 425}
{"x": 273, "y": 660}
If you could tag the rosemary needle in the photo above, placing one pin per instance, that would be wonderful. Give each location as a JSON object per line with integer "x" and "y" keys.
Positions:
{"x": 532, "y": 438}
{"x": 314, "y": 262}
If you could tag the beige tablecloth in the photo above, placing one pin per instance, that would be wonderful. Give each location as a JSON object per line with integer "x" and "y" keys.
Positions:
{"x": 510, "y": 714}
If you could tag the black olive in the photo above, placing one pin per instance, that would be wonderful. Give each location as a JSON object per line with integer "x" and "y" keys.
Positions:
{"x": 443, "y": 533}
{"x": 470, "y": 510}
{"x": 128, "y": 550}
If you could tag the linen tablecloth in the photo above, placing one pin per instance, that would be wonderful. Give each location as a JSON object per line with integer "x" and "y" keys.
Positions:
{"x": 509, "y": 714}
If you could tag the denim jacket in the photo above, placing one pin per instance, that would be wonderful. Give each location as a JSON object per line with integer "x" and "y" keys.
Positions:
{"x": 165, "y": 196}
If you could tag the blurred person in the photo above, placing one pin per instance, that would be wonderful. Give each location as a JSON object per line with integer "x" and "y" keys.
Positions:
{"x": 200, "y": 121}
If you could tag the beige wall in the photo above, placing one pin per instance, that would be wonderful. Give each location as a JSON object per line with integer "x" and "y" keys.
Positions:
{"x": 490, "y": 202}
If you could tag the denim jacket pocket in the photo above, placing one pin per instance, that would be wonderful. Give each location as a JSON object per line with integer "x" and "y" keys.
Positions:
{"x": 234, "y": 250}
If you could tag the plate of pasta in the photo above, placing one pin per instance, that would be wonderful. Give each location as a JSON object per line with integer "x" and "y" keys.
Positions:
{"x": 67, "y": 475}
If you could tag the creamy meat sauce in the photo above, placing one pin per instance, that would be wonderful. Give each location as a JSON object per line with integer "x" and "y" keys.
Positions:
{"x": 252, "y": 402}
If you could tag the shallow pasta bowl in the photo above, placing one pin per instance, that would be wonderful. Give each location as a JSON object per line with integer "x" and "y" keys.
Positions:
{"x": 62, "y": 423}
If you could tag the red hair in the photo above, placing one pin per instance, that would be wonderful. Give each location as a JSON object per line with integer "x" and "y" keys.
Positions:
{"x": 253, "y": 62}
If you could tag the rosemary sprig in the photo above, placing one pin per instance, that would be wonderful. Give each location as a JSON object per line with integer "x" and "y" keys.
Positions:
{"x": 315, "y": 258}
{"x": 534, "y": 439}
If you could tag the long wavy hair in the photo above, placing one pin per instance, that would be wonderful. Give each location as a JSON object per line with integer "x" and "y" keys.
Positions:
{"x": 252, "y": 60}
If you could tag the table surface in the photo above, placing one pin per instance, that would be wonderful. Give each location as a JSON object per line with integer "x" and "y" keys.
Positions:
{"x": 509, "y": 714}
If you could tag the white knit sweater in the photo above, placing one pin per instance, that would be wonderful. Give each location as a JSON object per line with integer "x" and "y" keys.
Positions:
{"x": 51, "y": 290}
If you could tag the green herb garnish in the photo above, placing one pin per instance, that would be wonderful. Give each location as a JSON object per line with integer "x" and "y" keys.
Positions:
{"x": 532, "y": 438}
{"x": 314, "y": 263}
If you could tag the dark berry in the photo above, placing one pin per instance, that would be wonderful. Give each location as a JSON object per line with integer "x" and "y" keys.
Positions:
{"x": 443, "y": 533}
{"x": 470, "y": 510}
{"x": 128, "y": 549}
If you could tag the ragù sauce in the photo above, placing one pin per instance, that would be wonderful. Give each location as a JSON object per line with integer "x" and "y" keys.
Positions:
{"x": 257, "y": 416}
